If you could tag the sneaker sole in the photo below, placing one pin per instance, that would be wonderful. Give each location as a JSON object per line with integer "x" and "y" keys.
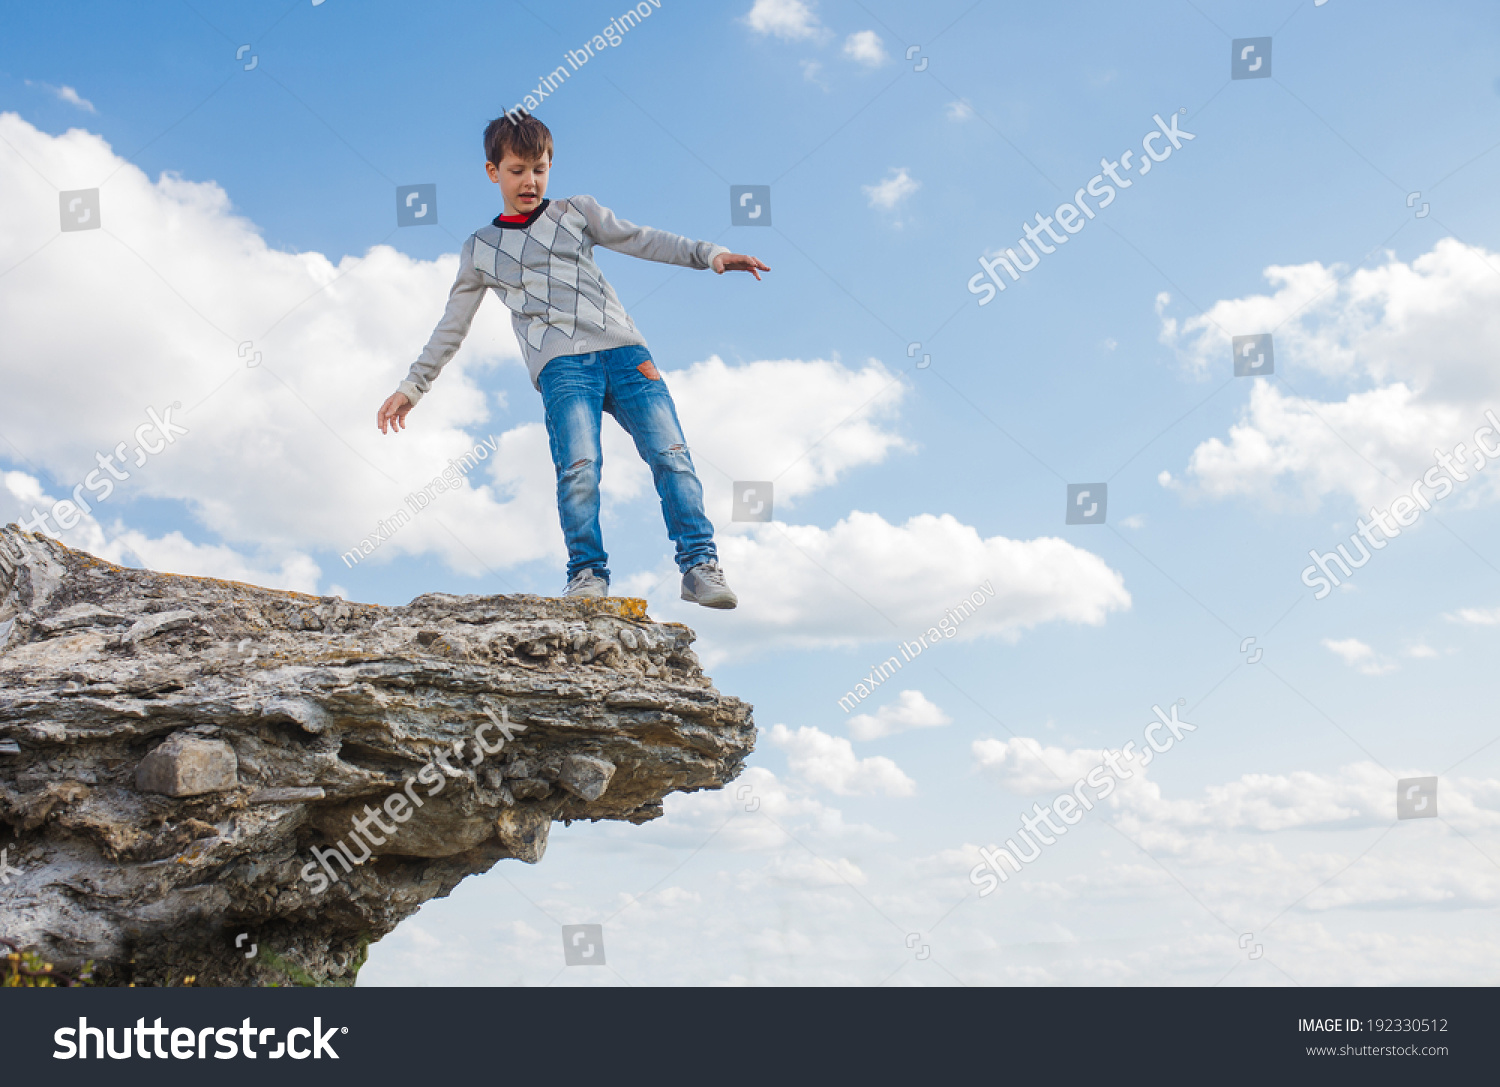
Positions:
{"x": 723, "y": 603}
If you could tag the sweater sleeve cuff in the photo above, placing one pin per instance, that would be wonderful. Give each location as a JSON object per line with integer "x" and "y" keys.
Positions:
{"x": 410, "y": 391}
{"x": 714, "y": 251}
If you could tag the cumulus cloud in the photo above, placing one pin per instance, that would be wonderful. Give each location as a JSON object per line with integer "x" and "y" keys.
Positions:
{"x": 888, "y": 194}
{"x": 1358, "y": 795}
{"x": 801, "y": 870}
{"x": 172, "y": 553}
{"x": 755, "y": 815}
{"x": 910, "y": 710}
{"x": 866, "y": 579}
{"x": 791, "y": 20}
{"x": 1025, "y": 766}
{"x": 1358, "y": 655}
{"x": 829, "y": 761}
{"x": 801, "y": 424}
{"x": 1476, "y": 617}
{"x": 865, "y": 47}
{"x": 1412, "y": 343}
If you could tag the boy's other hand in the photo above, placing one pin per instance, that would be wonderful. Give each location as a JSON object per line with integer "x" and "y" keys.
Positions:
{"x": 738, "y": 262}
{"x": 393, "y": 413}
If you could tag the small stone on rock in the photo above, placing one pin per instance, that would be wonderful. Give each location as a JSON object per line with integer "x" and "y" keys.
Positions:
{"x": 585, "y": 776}
{"x": 188, "y": 766}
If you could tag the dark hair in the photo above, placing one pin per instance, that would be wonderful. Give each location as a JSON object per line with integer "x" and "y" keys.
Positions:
{"x": 517, "y": 131}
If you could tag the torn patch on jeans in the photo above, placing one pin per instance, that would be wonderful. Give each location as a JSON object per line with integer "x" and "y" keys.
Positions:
{"x": 648, "y": 368}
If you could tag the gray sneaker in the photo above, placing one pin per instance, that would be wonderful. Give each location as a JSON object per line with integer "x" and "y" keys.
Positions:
{"x": 587, "y": 583}
{"x": 704, "y": 584}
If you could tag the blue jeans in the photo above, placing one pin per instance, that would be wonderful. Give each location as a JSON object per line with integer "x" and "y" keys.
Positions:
{"x": 622, "y": 381}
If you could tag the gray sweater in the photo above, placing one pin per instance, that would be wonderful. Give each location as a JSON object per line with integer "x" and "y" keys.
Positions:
{"x": 544, "y": 271}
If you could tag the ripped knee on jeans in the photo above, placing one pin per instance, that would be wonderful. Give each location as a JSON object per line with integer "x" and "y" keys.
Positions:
{"x": 580, "y": 467}
{"x": 674, "y": 458}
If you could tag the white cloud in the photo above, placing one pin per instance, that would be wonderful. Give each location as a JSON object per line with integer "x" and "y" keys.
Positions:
{"x": 865, "y": 47}
{"x": 959, "y": 110}
{"x": 802, "y": 870}
{"x": 792, "y": 20}
{"x": 1358, "y": 795}
{"x": 754, "y": 815}
{"x": 800, "y": 424}
{"x": 171, "y": 554}
{"x": 810, "y": 904}
{"x": 866, "y": 579}
{"x": 1026, "y": 767}
{"x": 829, "y": 761}
{"x": 910, "y": 710}
{"x": 1356, "y": 654}
{"x": 1477, "y": 617}
{"x": 1411, "y": 342}
{"x": 66, "y": 94}
{"x": 896, "y": 187}
{"x": 1422, "y": 652}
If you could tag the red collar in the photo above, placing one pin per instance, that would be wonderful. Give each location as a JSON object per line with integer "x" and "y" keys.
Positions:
{"x": 521, "y": 221}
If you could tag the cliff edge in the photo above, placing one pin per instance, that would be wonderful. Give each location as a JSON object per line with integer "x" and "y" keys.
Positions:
{"x": 201, "y": 778}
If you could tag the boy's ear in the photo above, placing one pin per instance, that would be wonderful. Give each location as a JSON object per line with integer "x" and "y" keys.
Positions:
{"x": 493, "y": 171}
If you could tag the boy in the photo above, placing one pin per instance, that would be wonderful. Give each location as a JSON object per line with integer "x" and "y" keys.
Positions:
{"x": 582, "y": 349}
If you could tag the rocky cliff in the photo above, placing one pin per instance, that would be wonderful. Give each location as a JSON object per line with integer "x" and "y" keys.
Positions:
{"x": 190, "y": 768}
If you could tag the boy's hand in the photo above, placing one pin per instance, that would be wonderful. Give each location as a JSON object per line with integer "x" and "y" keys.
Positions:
{"x": 393, "y": 413}
{"x": 738, "y": 262}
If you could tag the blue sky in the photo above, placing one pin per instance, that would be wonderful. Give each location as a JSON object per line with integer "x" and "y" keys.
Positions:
{"x": 232, "y": 201}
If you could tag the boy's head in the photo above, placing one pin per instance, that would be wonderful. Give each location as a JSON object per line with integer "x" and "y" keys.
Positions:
{"x": 518, "y": 154}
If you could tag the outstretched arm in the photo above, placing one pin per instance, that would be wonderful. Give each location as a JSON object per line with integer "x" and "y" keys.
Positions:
{"x": 463, "y": 303}
{"x": 645, "y": 242}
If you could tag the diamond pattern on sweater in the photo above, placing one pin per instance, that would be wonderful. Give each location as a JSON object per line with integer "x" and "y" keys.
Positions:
{"x": 544, "y": 231}
{"x": 512, "y": 242}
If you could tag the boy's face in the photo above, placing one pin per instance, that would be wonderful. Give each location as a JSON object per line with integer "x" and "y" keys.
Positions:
{"x": 523, "y": 183}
